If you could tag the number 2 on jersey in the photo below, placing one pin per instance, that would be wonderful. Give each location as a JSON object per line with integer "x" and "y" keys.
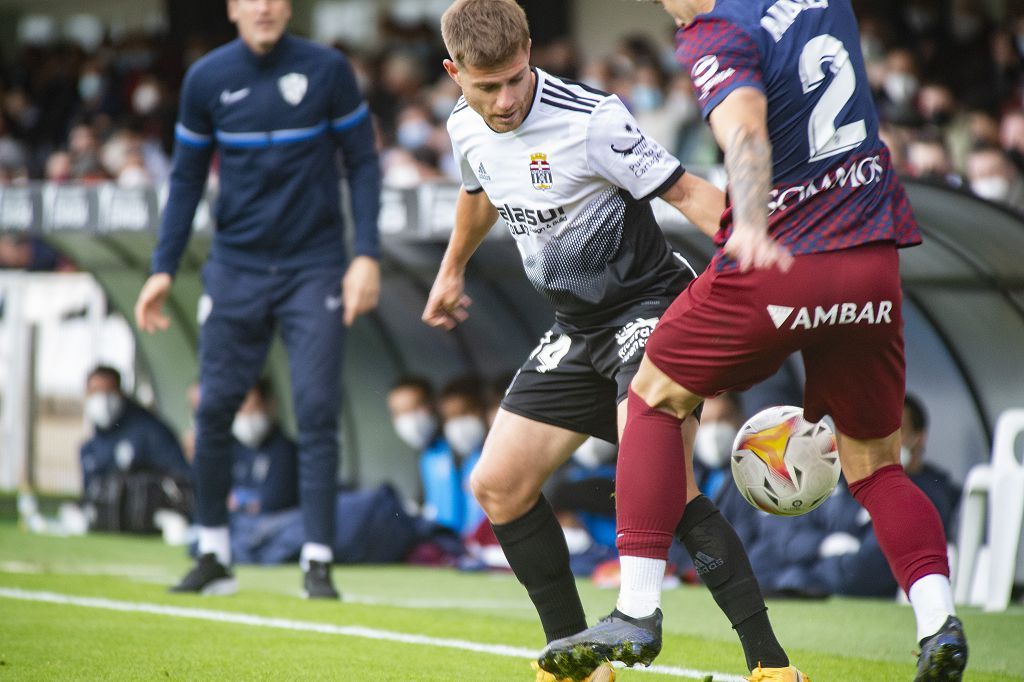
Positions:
{"x": 824, "y": 138}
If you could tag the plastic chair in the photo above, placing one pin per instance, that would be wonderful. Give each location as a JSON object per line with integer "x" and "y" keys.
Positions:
{"x": 993, "y": 499}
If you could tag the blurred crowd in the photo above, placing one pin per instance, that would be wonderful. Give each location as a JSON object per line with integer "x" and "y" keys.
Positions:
{"x": 949, "y": 88}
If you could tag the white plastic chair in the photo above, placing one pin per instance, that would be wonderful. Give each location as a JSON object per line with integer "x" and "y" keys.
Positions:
{"x": 993, "y": 499}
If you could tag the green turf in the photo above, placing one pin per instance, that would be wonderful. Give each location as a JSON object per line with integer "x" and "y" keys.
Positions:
{"x": 836, "y": 640}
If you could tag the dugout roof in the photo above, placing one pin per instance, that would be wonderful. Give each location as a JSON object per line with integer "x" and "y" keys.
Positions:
{"x": 964, "y": 311}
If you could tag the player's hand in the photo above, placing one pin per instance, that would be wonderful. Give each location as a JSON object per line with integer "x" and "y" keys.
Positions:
{"x": 447, "y": 302}
{"x": 149, "y": 315}
{"x": 360, "y": 289}
{"x": 756, "y": 249}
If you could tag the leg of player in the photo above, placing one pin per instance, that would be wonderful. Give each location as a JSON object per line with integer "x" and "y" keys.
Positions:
{"x": 910, "y": 533}
{"x": 654, "y": 464}
{"x": 518, "y": 456}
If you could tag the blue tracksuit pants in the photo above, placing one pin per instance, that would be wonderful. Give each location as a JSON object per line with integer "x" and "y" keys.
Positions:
{"x": 238, "y": 315}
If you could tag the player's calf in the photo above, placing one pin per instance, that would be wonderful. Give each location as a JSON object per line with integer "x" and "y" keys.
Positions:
{"x": 723, "y": 566}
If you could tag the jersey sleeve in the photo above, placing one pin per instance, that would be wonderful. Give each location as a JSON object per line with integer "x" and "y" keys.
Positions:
{"x": 619, "y": 152}
{"x": 469, "y": 180}
{"x": 354, "y": 135}
{"x": 194, "y": 144}
{"x": 719, "y": 57}
{"x": 348, "y": 109}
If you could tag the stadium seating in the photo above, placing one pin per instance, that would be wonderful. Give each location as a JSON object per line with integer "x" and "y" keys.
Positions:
{"x": 993, "y": 500}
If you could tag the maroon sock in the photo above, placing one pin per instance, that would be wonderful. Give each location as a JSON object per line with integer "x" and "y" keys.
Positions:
{"x": 650, "y": 481}
{"x": 906, "y": 524}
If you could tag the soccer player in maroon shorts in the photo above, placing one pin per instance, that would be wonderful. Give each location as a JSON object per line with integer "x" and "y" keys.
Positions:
{"x": 808, "y": 262}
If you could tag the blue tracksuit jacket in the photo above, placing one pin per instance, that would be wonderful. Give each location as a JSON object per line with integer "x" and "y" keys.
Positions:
{"x": 277, "y": 121}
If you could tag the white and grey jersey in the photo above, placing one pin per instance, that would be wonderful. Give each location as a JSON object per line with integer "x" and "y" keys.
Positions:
{"x": 573, "y": 184}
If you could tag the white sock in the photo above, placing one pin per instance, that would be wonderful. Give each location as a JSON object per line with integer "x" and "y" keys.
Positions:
{"x": 312, "y": 551}
{"x": 216, "y": 541}
{"x": 932, "y": 599}
{"x": 640, "y": 592}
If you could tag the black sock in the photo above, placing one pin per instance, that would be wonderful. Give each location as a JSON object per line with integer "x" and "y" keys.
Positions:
{"x": 535, "y": 548}
{"x": 723, "y": 565}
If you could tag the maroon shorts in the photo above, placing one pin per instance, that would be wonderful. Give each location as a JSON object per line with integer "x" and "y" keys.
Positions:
{"x": 840, "y": 309}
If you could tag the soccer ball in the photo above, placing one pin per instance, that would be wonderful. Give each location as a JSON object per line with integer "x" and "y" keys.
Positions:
{"x": 783, "y": 464}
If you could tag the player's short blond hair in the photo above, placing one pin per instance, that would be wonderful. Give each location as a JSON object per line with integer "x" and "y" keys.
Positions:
{"x": 484, "y": 33}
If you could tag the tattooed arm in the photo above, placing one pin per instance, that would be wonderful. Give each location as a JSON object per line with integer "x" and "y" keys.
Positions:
{"x": 740, "y": 126}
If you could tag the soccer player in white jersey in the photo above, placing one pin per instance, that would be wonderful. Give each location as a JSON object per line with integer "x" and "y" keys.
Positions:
{"x": 571, "y": 173}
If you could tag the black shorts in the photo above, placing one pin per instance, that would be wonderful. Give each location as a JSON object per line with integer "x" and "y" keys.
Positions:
{"x": 576, "y": 380}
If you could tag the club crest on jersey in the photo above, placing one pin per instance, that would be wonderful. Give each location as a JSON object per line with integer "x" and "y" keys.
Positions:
{"x": 540, "y": 171}
{"x": 293, "y": 87}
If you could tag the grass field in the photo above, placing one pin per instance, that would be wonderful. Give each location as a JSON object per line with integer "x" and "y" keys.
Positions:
{"x": 96, "y": 608}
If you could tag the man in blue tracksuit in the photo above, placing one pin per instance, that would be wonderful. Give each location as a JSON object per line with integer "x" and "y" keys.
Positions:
{"x": 276, "y": 109}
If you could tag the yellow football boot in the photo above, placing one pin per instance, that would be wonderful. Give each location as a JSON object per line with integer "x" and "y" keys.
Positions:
{"x": 604, "y": 673}
{"x": 788, "y": 674}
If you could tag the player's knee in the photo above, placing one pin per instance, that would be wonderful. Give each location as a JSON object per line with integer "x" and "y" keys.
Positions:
{"x": 484, "y": 492}
{"x": 502, "y": 499}
{"x": 660, "y": 392}
{"x": 861, "y": 458}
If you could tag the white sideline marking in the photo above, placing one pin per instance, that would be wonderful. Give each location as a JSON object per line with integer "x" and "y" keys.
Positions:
{"x": 439, "y": 603}
{"x": 321, "y": 628}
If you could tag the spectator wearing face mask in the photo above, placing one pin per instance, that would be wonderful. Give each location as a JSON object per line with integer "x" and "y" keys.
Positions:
{"x": 834, "y": 550}
{"x": 461, "y": 408}
{"x": 721, "y": 419}
{"x": 935, "y": 482}
{"x": 411, "y": 403}
{"x": 899, "y": 88}
{"x": 444, "y": 469}
{"x": 126, "y": 436}
{"x": 992, "y": 176}
{"x": 928, "y": 159}
{"x": 265, "y": 469}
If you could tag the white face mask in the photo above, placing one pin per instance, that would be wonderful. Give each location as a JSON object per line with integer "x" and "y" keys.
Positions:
{"x": 905, "y": 456}
{"x": 145, "y": 99}
{"x": 251, "y": 428}
{"x": 993, "y": 188}
{"x": 465, "y": 434}
{"x": 414, "y": 134}
{"x": 103, "y": 409}
{"x": 416, "y": 429}
{"x": 594, "y": 452}
{"x": 900, "y": 87}
{"x": 646, "y": 97}
{"x": 713, "y": 444}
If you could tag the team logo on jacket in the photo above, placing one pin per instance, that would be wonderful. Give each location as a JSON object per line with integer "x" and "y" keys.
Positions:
{"x": 540, "y": 171}
{"x": 293, "y": 87}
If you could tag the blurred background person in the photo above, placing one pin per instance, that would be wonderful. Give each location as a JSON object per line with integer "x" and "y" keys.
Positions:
{"x": 126, "y": 436}
{"x": 266, "y": 468}
{"x": 991, "y": 175}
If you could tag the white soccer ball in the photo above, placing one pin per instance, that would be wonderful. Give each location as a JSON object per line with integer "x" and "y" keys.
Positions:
{"x": 784, "y": 464}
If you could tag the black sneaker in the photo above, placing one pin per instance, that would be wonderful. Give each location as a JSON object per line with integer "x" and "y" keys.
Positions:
{"x": 943, "y": 655}
{"x": 617, "y": 637}
{"x": 208, "y": 576}
{"x": 316, "y": 582}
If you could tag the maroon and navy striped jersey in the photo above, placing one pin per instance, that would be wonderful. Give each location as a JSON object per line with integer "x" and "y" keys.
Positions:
{"x": 833, "y": 182}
